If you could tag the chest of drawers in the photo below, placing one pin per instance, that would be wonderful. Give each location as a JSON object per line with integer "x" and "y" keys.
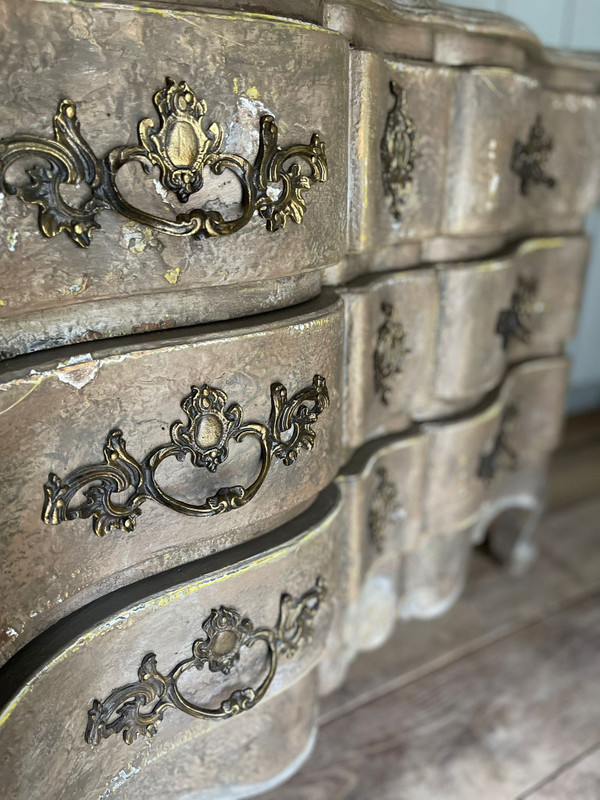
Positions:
{"x": 286, "y": 289}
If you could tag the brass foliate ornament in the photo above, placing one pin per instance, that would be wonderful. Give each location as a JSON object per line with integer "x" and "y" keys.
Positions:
{"x": 226, "y": 633}
{"x": 210, "y": 428}
{"x": 500, "y": 455}
{"x": 398, "y": 152}
{"x": 384, "y": 505}
{"x": 182, "y": 148}
{"x": 390, "y": 352}
{"x": 529, "y": 158}
{"x": 516, "y": 322}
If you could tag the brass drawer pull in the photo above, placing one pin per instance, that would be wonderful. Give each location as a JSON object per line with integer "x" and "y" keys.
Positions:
{"x": 205, "y": 437}
{"x": 226, "y": 634}
{"x": 528, "y": 158}
{"x": 182, "y": 147}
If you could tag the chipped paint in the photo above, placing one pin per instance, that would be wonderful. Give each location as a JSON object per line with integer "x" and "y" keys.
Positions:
{"x": 160, "y": 190}
{"x": 252, "y": 93}
{"x": 79, "y": 287}
{"x": 12, "y": 239}
{"x": 78, "y": 371}
{"x": 172, "y": 276}
{"x": 137, "y": 238}
{"x": 236, "y": 88}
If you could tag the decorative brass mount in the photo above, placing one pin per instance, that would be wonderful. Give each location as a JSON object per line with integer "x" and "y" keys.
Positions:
{"x": 398, "y": 152}
{"x": 384, "y": 505}
{"x": 226, "y": 634}
{"x": 528, "y": 158}
{"x": 182, "y": 148}
{"x": 500, "y": 453}
{"x": 205, "y": 438}
{"x": 516, "y": 322}
{"x": 390, "y": 352}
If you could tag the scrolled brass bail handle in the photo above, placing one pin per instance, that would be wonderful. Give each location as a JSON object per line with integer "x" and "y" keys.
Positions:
{"x": 205, "y": 437}
{"x": 182, "y": 146}
{"x": 226, "y": 634}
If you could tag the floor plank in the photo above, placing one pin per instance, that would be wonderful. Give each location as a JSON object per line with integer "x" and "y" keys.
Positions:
{"x": 577, "y": 781}
{"x": 498, "y": 699}
{"x": 486, "y": 726}
{"x": 493, "y": 605}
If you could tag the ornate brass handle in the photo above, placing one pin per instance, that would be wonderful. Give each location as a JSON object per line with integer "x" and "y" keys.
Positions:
{"x": 226, "y": 634}
{"x": 205, "y": 438}
{"x": 181, "y": 148}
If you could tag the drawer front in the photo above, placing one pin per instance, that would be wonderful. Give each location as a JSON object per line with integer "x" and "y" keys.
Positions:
{"x": 391, "y": 327}
{"x": 382, "y": 495}
{"x": 433, "y": 574}
{"x": 515, "y": 461}
{"x": 454, "y": 488}
{"x": 505, "y": 310}
{"x": 255, "y": 651}
{"x": 493, "y": 108}
{"x": 401, "y": 113}
{"x": 536, "y": 393}
{"x": 570, "y": 122}
{"x": 186, "y": 133}
{"x": 520, "y": 158}
{"x": 170, "y": 474}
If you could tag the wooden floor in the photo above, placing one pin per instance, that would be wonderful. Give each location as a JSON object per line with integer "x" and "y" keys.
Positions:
{"x": 500, "y": 698}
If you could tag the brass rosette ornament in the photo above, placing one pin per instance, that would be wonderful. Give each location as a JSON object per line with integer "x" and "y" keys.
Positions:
{"x": 206, "y": 436}
{"x": 226, "y": 634}
{"x": 182, "y": 147}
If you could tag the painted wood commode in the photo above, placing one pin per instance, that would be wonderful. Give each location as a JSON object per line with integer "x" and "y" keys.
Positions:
{"x": 286, "y": 289}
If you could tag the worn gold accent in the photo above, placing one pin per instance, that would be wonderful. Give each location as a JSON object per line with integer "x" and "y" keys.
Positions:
{"x": 205, "y": 437}
{"x": 398, "y": 152}
{"x": 501, "y": 454}
{"x": 181, "y": 148}
{"x": 390, "y": 351}
{"x": 516, "y": 321}
{"x": 384, "y": 505}
{"x": 226, "y": 634}
{"x": 528, "y": 158}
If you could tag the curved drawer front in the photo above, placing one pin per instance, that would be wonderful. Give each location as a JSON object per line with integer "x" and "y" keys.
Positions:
{"x": 519, "y": 158}
{"x": 571, "y": 123}
{"x": 120, "y": 691}
{"x": 515, "y": 461}
{"x": 534, "y": 395}
{"x": 391, "y": 328}
{"x": 212, "y": 138}
{"x": 382, "y": 495}
{"x": 433, "y": 574}
{"x": 114, "y": 442}
{"x": 469, "y": 456}
{"x": 401, "y": 113}
{"x": 454, "y": 488}
{"x": 493, "y": 108}
{"x": 423, "y": 343}
{"x": 504, "y": 310}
